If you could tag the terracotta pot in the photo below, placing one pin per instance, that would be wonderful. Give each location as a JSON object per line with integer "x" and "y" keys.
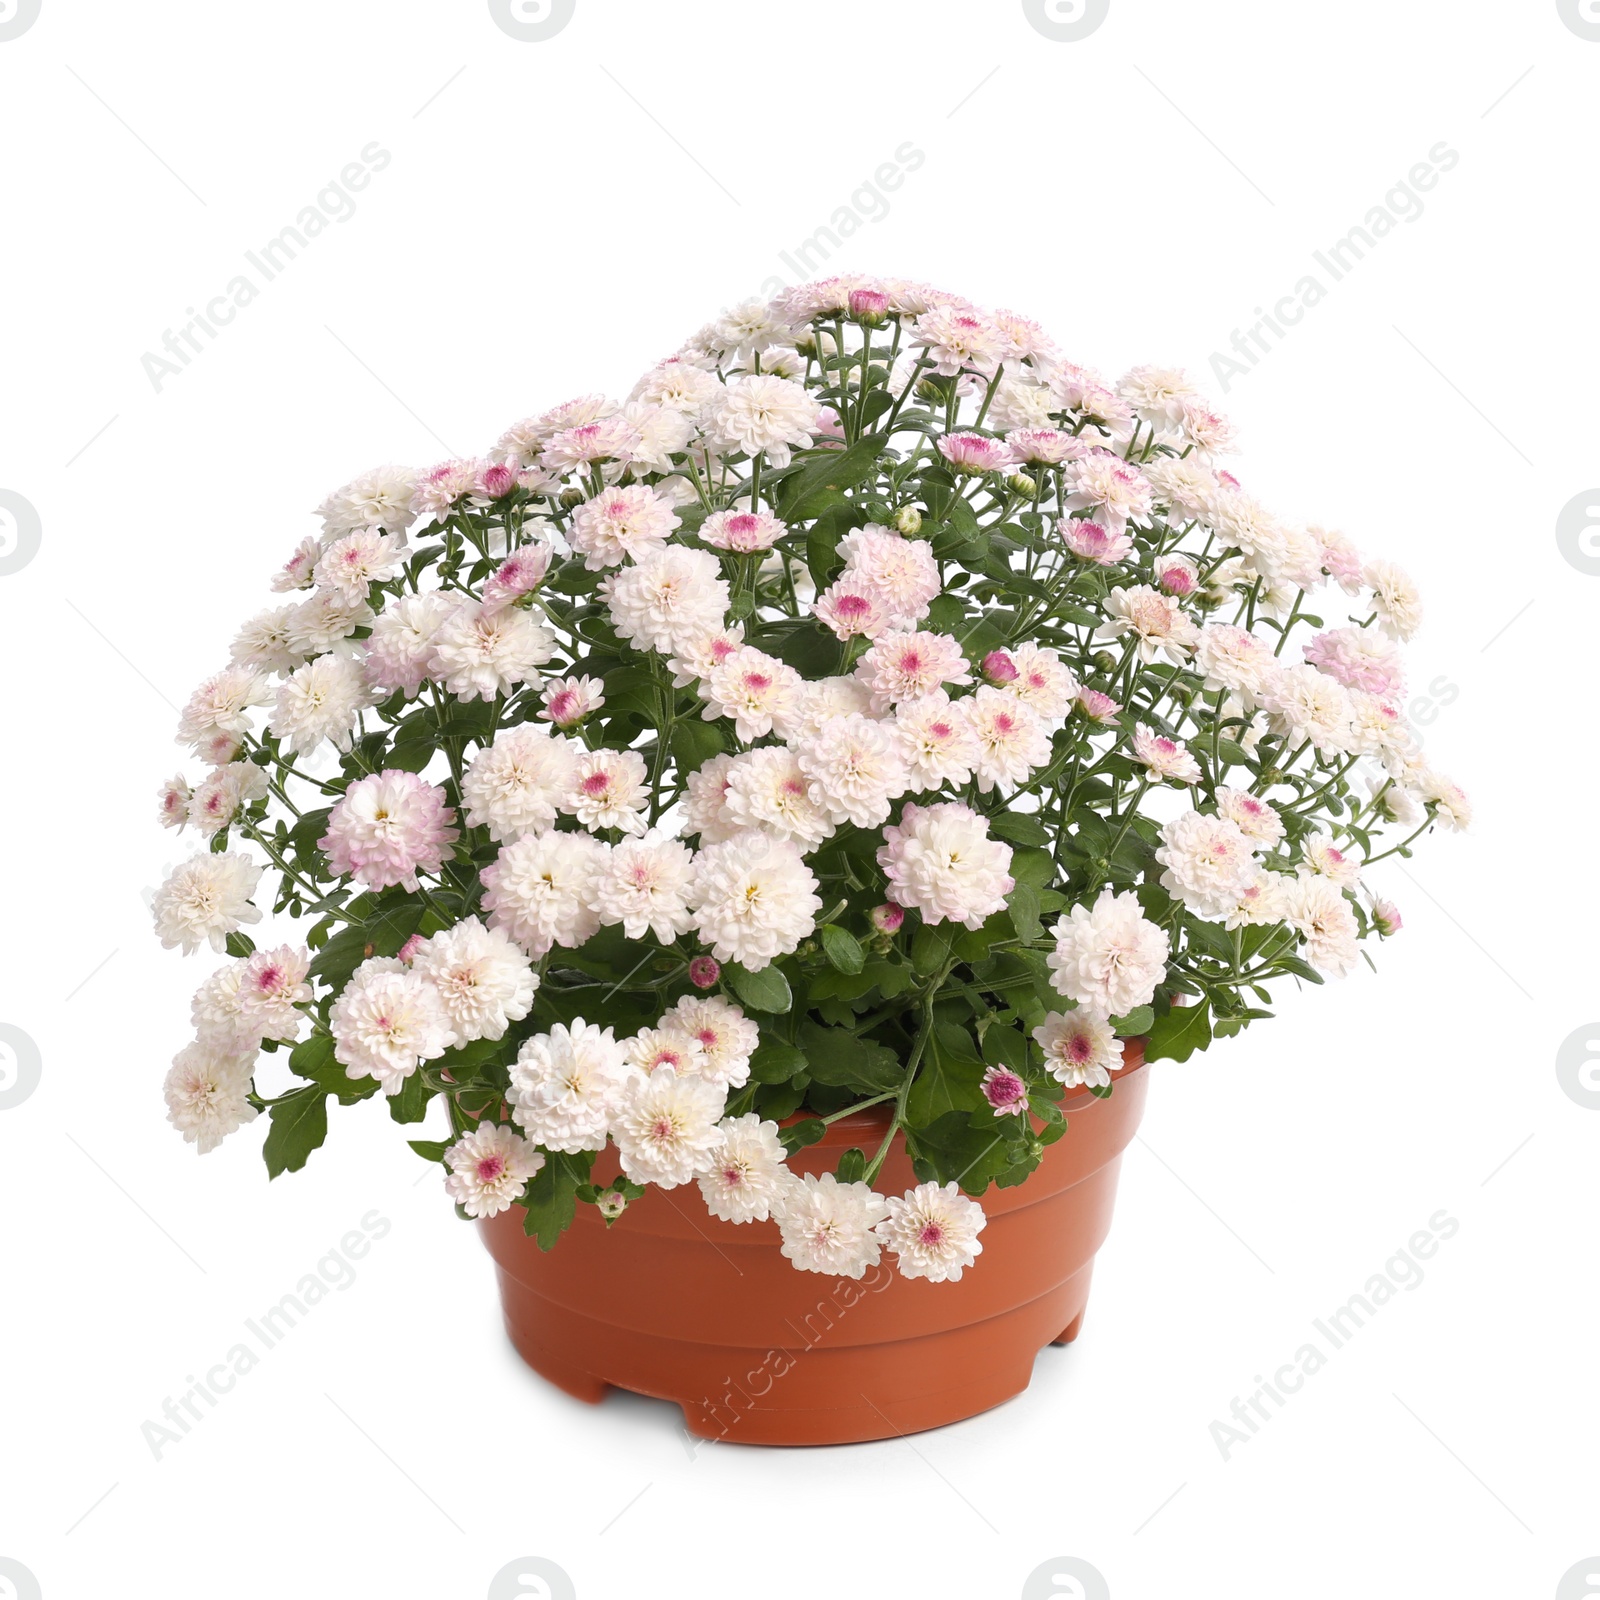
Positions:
{"x": 673, "y": 1302}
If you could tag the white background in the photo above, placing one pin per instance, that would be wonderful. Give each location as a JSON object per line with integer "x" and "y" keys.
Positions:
{"x": 555, "y": 217}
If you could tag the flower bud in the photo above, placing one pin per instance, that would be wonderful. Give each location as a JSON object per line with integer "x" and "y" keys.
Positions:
{"x": 408, "y": 951}
{"x": 908, "y": 520}
{"x": 869, "y": 307}
{"x": 497, "y": 480}
{"x": 888, "y": 917}
{"x": 572, "y": 496}
{"x": 704, "y": 972}
{"x": 999, "y": 668}
{"x": 1386, "y": 918}
{"x": 1022, "y": 484}
{"x": 611, "y": 1204}
{"x": 1006, "y": 1093}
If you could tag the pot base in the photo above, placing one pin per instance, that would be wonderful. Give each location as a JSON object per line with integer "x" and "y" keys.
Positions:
{"x": 677, "y": 1305}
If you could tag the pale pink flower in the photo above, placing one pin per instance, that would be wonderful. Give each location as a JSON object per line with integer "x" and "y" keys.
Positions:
{"x": 489, "y": 1168}
{"x": 610, "y": 439}
{"x": 1011, "y": 737}
{"x": 1042, "y": 681}
{"x": 905, "y": 666}
{"x": 520, "y": 573}
{"x": 1093, "y": 541}
{"x": 1156, "y": 621}
{"x": 1044, "y": 446}
{"x": 1111, "y": 490}
{"x": 974, "y": 454}
{"x": 1097, "y": 707}
{"x": 567, "y": 701}
{"x": 349, "y": 566}
{"x": 742, "y": 531}
{"x": 608, "y": 790}
{"x": 1360, "y": 658}
{"x": 756, "y": 690}
{"x": 1163, "y": 757}
{"x": 1006, "y": 1093}
{"x": 902, "y": 572}
{"x": 941, "y": 861}
{"x": 1079, "y": 1048}
{"x": 1254, "y": 817}
{"x": 855, "y": 768}
{"x": 621, "y": 524}
{"x": 851, "y": 607}
{"x": 957, "y": 338}
{"x": 1322, "y": 856}
{"x": 388, "y": 828}
{"x": 938, "y": 742}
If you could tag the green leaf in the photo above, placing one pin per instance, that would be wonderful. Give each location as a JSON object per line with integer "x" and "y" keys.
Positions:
{"x": 299, "y": 1125}
{"x": 1023, "y": 902}
{"x": 777, "y": 1063}
{"x": 766, "y": 990}
{"x": 843, "y": 949}
{"x": 852, "y": 1167}
{"x": 1137, "y": 1021}
{"x": 800, "y": 1134}
{"x": 240, "y": 945}
{"x": 411, "y": 1104}
{"x": 826, "y": 469}
{"x": 1176, "y": 1036}
{"x": 695, "y": 742}
{"x": 1036, "y": 868}
{"x": 1019, "y": 828}
{"x": 430, "y": 1149}
{"x": 837, "y": 1057}
{"x": 931, "y": 948}
{"x": 971, "y": 1151}
{"x": 948, "y": 1077}
{"x": 552, "y": 1197}
{"x": 313, "y": 1058}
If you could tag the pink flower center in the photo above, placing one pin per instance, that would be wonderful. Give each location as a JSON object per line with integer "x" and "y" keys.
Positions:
{"x": 490, "y": 1168}
{"x": 596, "y": 784}
{"x": 1078, "y": 1047}
{"x": 757, "y": 682}
{"x": 930, "y": 1233}
{"x": 661, "y": 1128}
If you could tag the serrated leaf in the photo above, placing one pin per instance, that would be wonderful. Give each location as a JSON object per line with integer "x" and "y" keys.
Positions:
{"x": 299, "y": 1124}
{"x": 1176, "y": 1036}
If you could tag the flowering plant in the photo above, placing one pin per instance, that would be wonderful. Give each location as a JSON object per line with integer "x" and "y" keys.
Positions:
{"x": 876, "y": 708}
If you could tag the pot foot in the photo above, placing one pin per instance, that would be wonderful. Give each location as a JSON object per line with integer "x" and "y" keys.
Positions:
{"x": 1070, "y": 1332}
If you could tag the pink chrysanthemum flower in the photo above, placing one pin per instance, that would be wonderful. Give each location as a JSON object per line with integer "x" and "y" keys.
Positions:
{"x": 489, "y": 1168}
{"x": 567, "y": 701}
{"x": 1046, "y": 447}
{"x": 388, "y": 828}
{"x": 850, "y": 609}
{"x": 1093, "y": 541}
{"x": 520, "y": 573}
{"x": 1006, "y": 1093}
{"x": 973, "y": 454}
{"x": 1097, "y": 707}
{"x": 742, "y": 531}
{"x": 905, "y": 666}
{"x": 1164, "y": 757}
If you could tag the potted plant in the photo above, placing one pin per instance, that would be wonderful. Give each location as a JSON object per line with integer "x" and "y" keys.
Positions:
{"x": 771, "y": 822}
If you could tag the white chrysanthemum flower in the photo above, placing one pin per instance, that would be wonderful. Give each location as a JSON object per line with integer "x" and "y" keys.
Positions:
{"x": 321, "y": 700}
{"x": 760, "y": 693}
{"x": 665, "y": 1126}
{"x": 264, "y": 643}
{"x": 1079, "y": 1048}
{"x": 272, "y": 986}
{"x": 644, "y": 885}
{"x": 699, "y": 654}
{"x": 1260, "y": 901}
{"x": 1183, "y": 484}
{"x": 1255, "y": 818}
{"x": 726, "y": 1036}
{"x": 381, "y": 498}
{"x": 1378, "y": 727}
{"x": 1109, "y": 957}
{"x": 1394, "y": 598}
{"x": 751, "y": 327}
{"x": 400, "y": 648}
{"x": 903, "y": 573}
{"x": 387, "y": 1022}
{"x": 478, "y": 654}
{"x": 489, "y": 1168}
{"x": 217, "y": 1012}
{"x": 351, "y": 565}
{"x": 541, "y": 890}
{"x": 855, "y": 768}
{"x": 566, "y": 1084}
{"x": 744, "y": 1169}
{"x": 520, "y": 444}
{"x": 519, "y": 783}
{"x": 941, "y": 861}
{"x": 762, "y": 415}
{"x": 172, "y": 802}
{"x": 1163, "y": 757}
{"x": 1209, "y": 863}
{"x": 484, "y": 981}
{"x": 959, "y": 338}
{"x": 1156, "y": 621}
{"x": 679, "y": 386}
{"x": 222, "y": 704}
{"x": 216, "y": 802}
{"x": 1159, "y": 397}
{"x": 1245, "y": 524}
{"x": 296, "y": 572}
{"x": 827, "y": 1226}
{"x": 1020, "y": 406}
{"x": 704, "y": 808}
{"x": 619, "y": 524}
{"x": 933, "y": 1232}
{"x": 905, "y": 666}
{"x": 1322, "y": 856}
{"x": 1044, "y": 682}
{"x": 754, "y": 898}
{"x": 205, "y": 899}
{"x": 668, "y": 598}
{"x": 1011, "y": 739}
{"x": 650, "y": 1048}
{"x": 1316, "y": 908}
{"x": 1449, "y": 801}
{"x": 766, "y": 788}
{"x": 822, "y": 698}
{"x": 207, "y": 1093}
{"x": 324, "y": 622}
{"x": 608, "y": 788}
{"x": 660, "y": 433}
{"x": 1111, "y": 490}
{"x": 939, "y": 745}
{"x": 1235, "y": 660}
{"x": 1307, "y": 704}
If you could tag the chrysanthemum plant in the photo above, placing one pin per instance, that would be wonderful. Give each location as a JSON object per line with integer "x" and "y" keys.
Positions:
{"x": 875, "y": 710}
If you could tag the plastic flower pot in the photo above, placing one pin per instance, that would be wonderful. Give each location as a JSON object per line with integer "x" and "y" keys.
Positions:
{"x": 674, "y": 1303}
